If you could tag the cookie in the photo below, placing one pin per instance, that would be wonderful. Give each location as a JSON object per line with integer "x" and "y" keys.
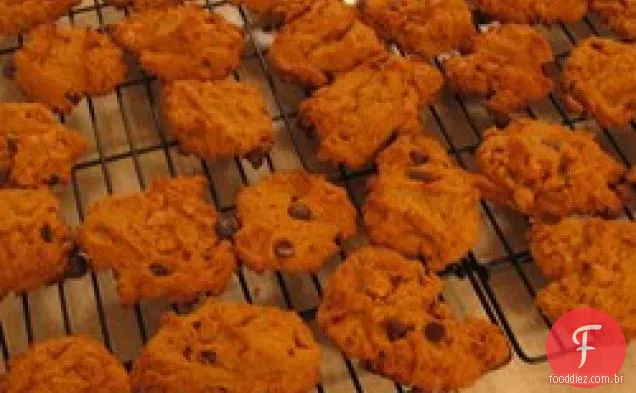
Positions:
{"x": 385, "y": 311}
{"x": 23, "y": 15}
{"x": 73, "y": 364}
{"x": 231, "y": 348}
{"x": 34, "y": 148}
{"x": 292, "y": 222}
{"x": 214, "y": 119}
{"x": 327, "y": 38}
{"x": 534, "y": 11}
{"x": 619, "y": 15}
{"x": 425, "y": 28}
{"x": 161, "y": 243}
{"x": 504, "y": 64}
{"x": 363, "y": 109}
{"x": 416, "y": 201}
{"x": 280, "y": 10}
{"x": 181, "y": 43}
{"x": 593, "y": 265}
{"x": 139, "y": 5}
{"x": 596, "y": 81}
{"x": 546, "y": 170}
{"x": 34, "y": 241}
{"x": 58, "y": 65}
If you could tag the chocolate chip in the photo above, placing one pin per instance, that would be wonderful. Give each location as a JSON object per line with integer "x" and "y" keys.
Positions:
{"x": 284, "y": 249}
{"x": 46, "y": 233}
{"x": 77, "y": 265}
{"x": 226, "y": 226}
{"x": 159, "y": 270}
{"x": 396, "y": 330}
{"x": 434, "y": 331}
{"x": 208, "y": 357}
{"x": 187, "y": 353}
{"x": 299, "y": 211}
{"x": 12, "y": 144}
{"x": 256, "y": 158}
{"x": 75, "y": 98}
{"x": 421, "y": 175}
{"x": 418, "y": 157}
{"x": 196, "y": 325}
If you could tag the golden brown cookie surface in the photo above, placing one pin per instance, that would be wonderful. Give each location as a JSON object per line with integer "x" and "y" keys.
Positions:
{"x": 281, "y": 10}
{"x": 357, "y": 114}
{"x": 534, "y": 11}
{"x": 291, "y": 221}
{"x": 593, "y": 263}
{"x": 505, "y": 64}
{"x": 231, "y": 348}
{"x": 545, "y": 169}
{"x": 58, "y": 65}
{"x": 17, "y": 16}
{"x": 161, "y": 243}
{"x": 34, "y": 241}
{"x": 596, "y": 81}
{"x": 68, "y": 364}
{"x": 181, "y": 43}
{"x": 37, "y": 150}
{"x": 139, "y": 5}
{"x": 619, "y": 15}
{"x": 325, "y": 39}
{"x": 219, "y": 119}
{"x": 423, "y": 27}
{"x": 384, "y": 310}
{"x": 417, "y": 199}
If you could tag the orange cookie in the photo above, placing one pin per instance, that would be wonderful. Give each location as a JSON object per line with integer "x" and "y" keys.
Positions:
{"x": 23, "y": 15}
{"x": 534, "y": 11}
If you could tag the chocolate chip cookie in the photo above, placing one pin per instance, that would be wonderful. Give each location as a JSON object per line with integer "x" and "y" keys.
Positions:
{"x": 161, "y": 243}
{"x": 292, "y": 222}
{"x": 325, "y": 39}
{"x": 385, "y": 311}
{"x": 23, "y": 15}
{"x": 214, "y": 119}
{"x": 232, "y": 348}
{"x": 546, "y": 170}
{"x": 34, "y": 241}
{"x": 417, "y": 199}
{"x": 181, "y": 43}
{"x": 34, "y": 148}
{"x": 58, "y": 65}
{"x": 534, "y": 11}
{"x": 67, "y": 364}
{"x": 504, "y": 64}
{"x": 359, "y": 113}
{"x": 423, "y": 27}
{"x": 592, "y": 263}
{"x": 597, "y": 83}
{"x": 619, "y": 15}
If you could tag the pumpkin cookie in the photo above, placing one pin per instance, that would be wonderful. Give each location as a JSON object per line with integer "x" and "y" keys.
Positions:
{"x": 34, "y": 148}
{"x": 67, "y": 364}
{"x": 596, "y": 81}
{"x": 534, "y": 11}
{"x": 219, "y": 119}
{"x": 23, "y": 15}
{"x": 619, "y": 15}
{"x": 181, "y": 43}
{"x": 161, "y": 243}
{"x": 545, "y": 169}
{"x": 58, "y": 65}
{"x": 426, "y": 28}
{"x": 34, "y": 241}
{"x": 593, "y": 263}
{"x": 360, "y": 112}
{"x": 385, "y": 311}
{"x": 232, "y": 348}
{"x": 291, "y": 222}
{"x": 416, "y": 201}
{"x": 505, "y": 64}
{"x": 327, "y": 38}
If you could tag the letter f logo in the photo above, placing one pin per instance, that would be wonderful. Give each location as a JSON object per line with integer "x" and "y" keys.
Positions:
{"x": 583, "y": 344}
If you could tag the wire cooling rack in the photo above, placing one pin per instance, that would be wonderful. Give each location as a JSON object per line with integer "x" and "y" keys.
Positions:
{"x": 129, "y": 147}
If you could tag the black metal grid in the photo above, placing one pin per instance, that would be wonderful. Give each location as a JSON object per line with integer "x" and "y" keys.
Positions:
{"x": 475, "y": 270}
